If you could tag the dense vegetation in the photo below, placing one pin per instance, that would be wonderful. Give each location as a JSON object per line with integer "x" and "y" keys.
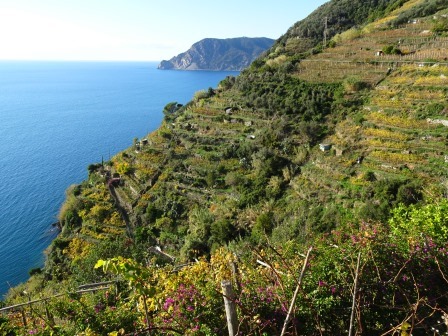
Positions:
{"x": 339, "y": 16}
{"x": 340, "y": 149}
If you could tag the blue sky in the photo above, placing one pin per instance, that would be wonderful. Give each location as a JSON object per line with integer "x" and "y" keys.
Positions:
{"x": 135, "y": 29}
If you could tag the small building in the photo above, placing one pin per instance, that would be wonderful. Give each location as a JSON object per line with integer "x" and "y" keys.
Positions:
{"x": 144, "y": 142}
{"x": 379, "y": 53}
{"x": 228, "y": 110}
{"x": 339, "y": 151}
{"x": 324, "y": 147}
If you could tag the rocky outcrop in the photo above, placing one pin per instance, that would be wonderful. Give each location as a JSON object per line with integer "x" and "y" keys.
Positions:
{"x": 219, "y": 54}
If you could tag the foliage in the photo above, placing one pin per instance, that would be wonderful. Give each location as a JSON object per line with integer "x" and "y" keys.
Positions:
{"x": 341, "y": 16}
{"x": 123, "y": 168}
{"x": 353, "y": 84}
{"x": 188, "y": 300}
{"x": 421, "y": 224}
{"x": 423, "y": 9}
{"x": 391, "y": 50}
{"x": 203, "y": 94}
{"x": 274, "y": 92}
{"x": 227, "y": 83}
{"x": 440, "y": 26}
{"x": 170, "y": 111}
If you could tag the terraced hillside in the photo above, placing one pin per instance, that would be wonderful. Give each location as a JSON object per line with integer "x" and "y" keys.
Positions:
{"x": 364, "y": 52}
{"x": 342, "y": 146}
{"x": 251, "y": 152}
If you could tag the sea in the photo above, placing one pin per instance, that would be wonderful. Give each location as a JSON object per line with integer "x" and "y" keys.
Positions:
{"x": 56, "y": 118}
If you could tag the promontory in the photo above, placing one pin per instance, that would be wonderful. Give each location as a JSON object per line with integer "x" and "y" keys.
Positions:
{"x": 219, "y": 54}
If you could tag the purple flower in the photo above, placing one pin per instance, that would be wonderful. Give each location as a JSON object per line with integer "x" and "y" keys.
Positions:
{"x": 322, "y": 283}
{"x": 168, "y": 303}
{"x": 99, "y": 307}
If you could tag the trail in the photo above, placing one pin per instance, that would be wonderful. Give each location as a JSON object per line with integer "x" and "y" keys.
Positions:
{"x": 123, "y": 213}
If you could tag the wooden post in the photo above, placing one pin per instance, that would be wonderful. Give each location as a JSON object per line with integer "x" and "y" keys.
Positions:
{"x": 296, "y": 292}
{"x": 50, "y": 316}
{"x": 355, "y": 290}
{"x": 145, "y": 305}
{"x": 236, "y": 280}
{"x": 229, "y": 303}
{"x": 23, "y": 317}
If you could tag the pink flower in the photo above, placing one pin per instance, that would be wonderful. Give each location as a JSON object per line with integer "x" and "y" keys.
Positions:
{"x": 168, "y": 303}
{"x": 322, "y": 283}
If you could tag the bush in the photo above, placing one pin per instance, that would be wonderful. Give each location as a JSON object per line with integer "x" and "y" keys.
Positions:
{"x": 201, "y": 94}
{"x": 417, "y": 223}
{"x": 440, "y": 26}
{"x": 354, "y": 84}
{"x": 35, "y": 271}
{"x": 263, "y": 226}
{"x": 170, "y": 110}
{"x": 434, "y": 109}
{"x": 391, "y": 50}
{"x": 221, "y": 232}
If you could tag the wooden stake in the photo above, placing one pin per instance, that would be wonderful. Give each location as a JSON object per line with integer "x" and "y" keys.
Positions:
{"x": 49, "y": 315}
{"x": 23, "y": 318}
{"x": 229, "y": 303}
{"x": 355, "y": 290}
{"x": 148, "y": 324}
{"x": 296, "y": 292}
{"x": 236, "y": 280}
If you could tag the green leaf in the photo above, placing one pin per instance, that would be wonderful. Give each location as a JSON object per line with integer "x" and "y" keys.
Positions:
{"x": 99, "y": 263}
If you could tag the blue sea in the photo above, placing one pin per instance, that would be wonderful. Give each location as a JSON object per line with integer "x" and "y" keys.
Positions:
{"x": 55, "y": 119}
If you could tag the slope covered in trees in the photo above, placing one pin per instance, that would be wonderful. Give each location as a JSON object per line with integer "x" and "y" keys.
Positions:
{"x": 339, "y": 147}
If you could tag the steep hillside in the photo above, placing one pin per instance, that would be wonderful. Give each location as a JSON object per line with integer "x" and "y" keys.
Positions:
{"x": 219, "y": 54}
{"x": 336, "y": 144}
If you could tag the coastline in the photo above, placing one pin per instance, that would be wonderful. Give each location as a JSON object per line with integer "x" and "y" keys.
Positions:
{"x": 126, "y": 100}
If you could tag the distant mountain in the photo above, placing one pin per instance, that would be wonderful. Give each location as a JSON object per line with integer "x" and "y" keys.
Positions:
{"x": 219, "y": 54}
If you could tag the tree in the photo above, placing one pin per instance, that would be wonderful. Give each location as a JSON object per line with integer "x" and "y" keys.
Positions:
{"x": 170, "y": 110}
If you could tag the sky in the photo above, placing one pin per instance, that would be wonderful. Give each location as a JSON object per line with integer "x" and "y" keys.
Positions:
{"x": 135, "y": 30}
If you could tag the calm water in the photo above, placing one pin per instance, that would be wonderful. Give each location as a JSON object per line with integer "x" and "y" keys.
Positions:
{"x": 55, "y": 119}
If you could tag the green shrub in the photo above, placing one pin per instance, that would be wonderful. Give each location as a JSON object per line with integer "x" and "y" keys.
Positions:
{"x": 440, "y": 26}
{"x": 434, "y": 109}
{"x": 391, "y": 50}
{"x": 416, "y": 223}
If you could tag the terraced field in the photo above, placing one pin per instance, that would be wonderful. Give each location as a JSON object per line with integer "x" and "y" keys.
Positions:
{"x": 214, "y": 154}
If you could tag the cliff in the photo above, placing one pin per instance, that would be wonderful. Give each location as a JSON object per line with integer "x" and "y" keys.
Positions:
{"x": 219, "y": 54}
